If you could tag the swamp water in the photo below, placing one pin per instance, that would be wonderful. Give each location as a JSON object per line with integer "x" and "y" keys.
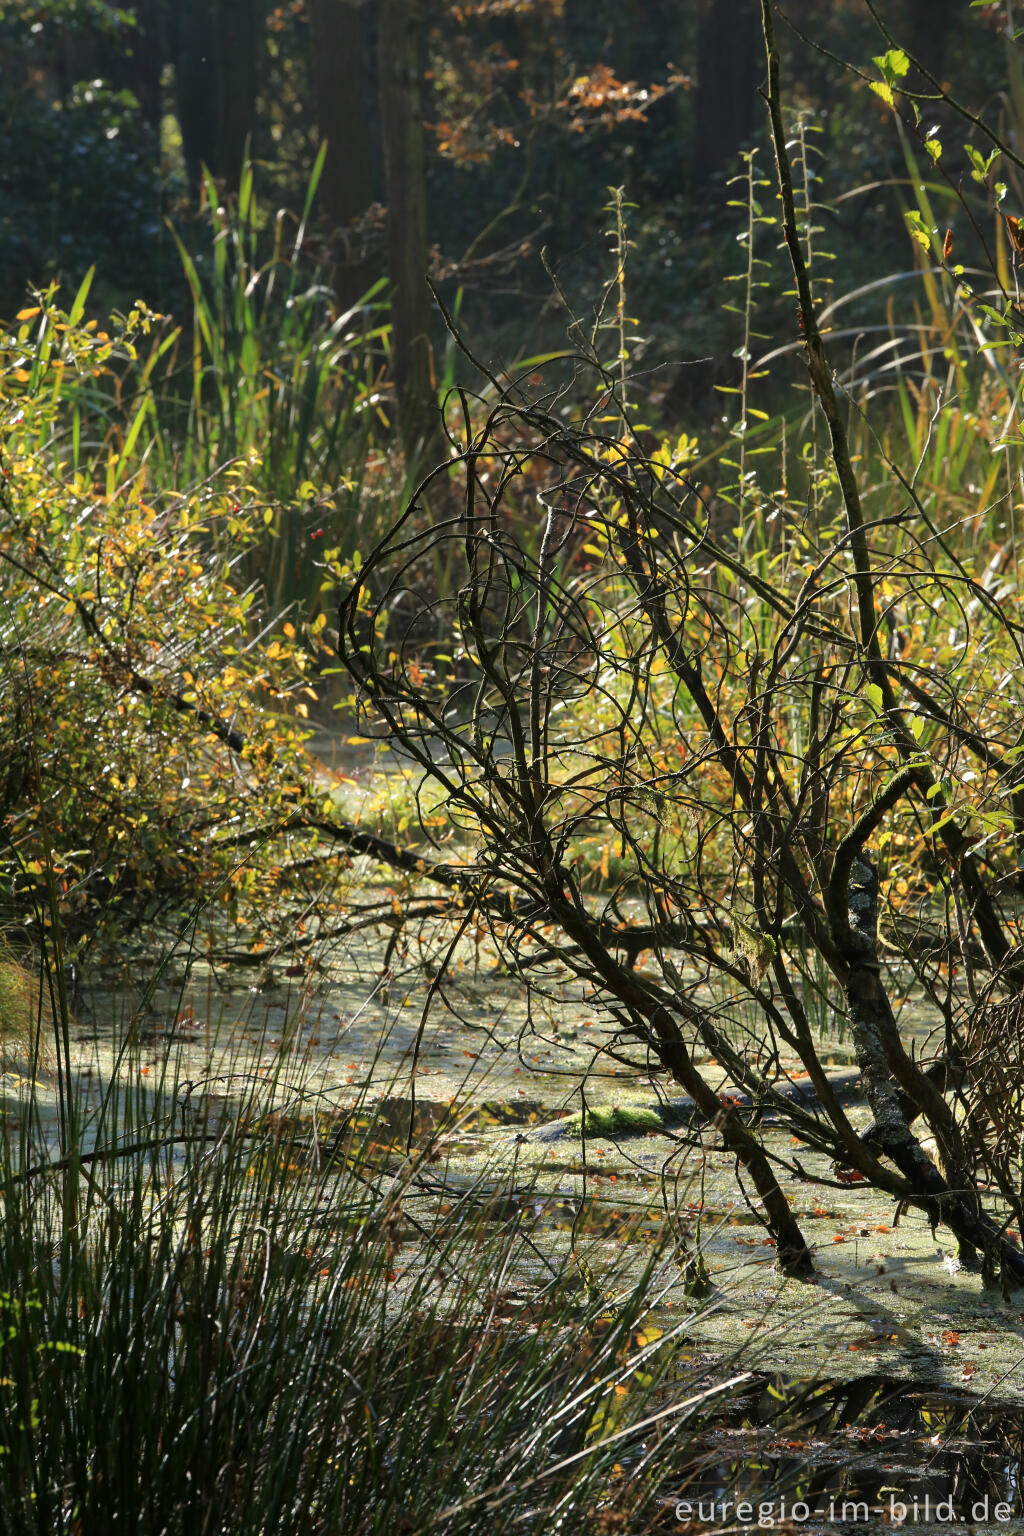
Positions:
{"x": 895, "y": 1378}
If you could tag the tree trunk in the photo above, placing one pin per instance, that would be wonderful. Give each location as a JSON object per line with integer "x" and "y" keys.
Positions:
{"x": 730, "y": 61}
{"x": 148, "y": 54}
{"x": 338, "y": 42}
{"x": 928, "y": 23}
{"x": 217, "y": 70}
{"x": 667, "y": 1041}
{"x": 196, "y": 81}
{"x": 952, "y": 1200}
{"x": 239, "y": 44}
{"x": 405, "y": 168}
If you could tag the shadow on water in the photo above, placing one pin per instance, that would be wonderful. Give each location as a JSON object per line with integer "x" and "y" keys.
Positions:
{"x": 871, "y": 1451}
{"x": 404, "y": 1119}
{"x": 399, "y": 1121}
{"x": 852, "y": 1454}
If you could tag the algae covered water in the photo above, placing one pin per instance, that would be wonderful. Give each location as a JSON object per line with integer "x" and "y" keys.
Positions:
{"x": 893, "y": 1382}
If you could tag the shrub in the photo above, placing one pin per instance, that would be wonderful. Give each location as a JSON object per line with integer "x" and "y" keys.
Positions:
{"x": 797, "y": 719}
{"x": 151, "y": 736}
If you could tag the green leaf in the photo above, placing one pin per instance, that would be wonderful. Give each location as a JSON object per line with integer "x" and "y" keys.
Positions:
{"x": 980, "y": 164}
{"x": 77, "y": 309}
{"x": 893, "y": 64}
{"x": 918, "y": 229}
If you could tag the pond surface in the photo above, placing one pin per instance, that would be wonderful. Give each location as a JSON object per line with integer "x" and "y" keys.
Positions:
{"x": 496, "y": 1080}
{"x": 895, "y": 1376}
{"x": 868, "y": 1454}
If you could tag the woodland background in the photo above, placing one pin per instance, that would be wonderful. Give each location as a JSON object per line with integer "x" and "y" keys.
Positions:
{"x": 530, "y": 112}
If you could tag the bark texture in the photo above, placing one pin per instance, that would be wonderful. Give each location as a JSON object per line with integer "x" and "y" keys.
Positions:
{"x": 401, "y": 114}
{"x": 340, "y": 74}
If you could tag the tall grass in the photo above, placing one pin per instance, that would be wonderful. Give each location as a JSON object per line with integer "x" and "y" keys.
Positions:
{"x": 254, "y": 1316}
{"x": 278, "y": 376}
{"x": 264, "y": 370}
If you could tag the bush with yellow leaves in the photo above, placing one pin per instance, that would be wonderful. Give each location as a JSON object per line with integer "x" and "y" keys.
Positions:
{"x": 151, "y": 728}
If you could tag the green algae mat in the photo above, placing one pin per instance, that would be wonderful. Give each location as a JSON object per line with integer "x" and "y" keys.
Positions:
{"x": 524, "y": 1100}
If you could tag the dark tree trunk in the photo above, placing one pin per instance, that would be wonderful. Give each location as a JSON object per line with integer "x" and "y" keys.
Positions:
{"x": 196, "y": 78}
{"x": 730, "y": 62}
{"x": 217, "y": 69}
{"x": 148, "y": 55}
{"x": 405, "y": 169}
{"x": 928, "y": 32}
{"x": 239, "y": 44}
{"x": 947, "y": 1196}
{"x": 131, "y": 58}
{"x": 340, "y": 73}
{"x": 794, "y": 1256}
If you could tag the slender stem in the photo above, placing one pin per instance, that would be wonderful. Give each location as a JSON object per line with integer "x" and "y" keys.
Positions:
{"x": 821, "y": 375}
{"x": 983, "y": 906}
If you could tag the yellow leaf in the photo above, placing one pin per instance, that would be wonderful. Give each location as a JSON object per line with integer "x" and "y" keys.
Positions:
{"x": 28, "y": 314}
{"x": 648, "y": 1336}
